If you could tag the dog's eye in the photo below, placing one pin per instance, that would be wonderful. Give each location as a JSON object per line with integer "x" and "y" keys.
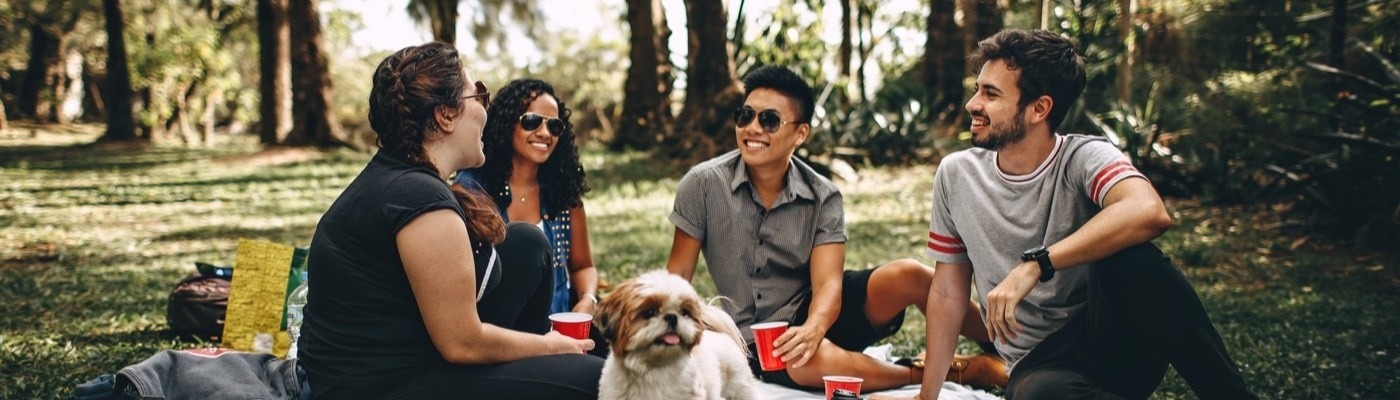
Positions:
{"x": 648, "y": 313}
{"x": 685, "y": 312}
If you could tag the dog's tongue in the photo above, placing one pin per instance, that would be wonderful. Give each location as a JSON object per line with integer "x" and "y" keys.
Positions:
{"x": 671, "y": 338}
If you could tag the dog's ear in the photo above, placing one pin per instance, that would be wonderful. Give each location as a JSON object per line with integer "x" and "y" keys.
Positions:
{"x": 603, "y": 318}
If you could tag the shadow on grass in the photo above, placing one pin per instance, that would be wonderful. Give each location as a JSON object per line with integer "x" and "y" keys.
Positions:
{"x": 281, "y": 234}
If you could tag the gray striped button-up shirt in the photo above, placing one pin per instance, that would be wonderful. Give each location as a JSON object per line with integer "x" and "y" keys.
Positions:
{"x": 759, "y": 258}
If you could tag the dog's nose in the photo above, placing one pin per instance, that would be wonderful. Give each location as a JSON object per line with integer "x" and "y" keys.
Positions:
{"x": 670, "y": 319}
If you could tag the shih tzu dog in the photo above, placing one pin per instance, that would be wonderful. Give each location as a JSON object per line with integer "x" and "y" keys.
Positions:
{"x": 667, "y": 344}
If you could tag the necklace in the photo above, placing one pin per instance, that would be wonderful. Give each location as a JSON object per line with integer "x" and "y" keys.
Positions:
{"x": 508, "y": 191}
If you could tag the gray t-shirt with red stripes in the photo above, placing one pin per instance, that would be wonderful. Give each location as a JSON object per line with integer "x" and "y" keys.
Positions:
{"x": 986, "y": 218}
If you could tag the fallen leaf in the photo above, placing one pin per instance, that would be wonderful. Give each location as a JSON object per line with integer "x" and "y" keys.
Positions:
{"x": 1298, "y": 243}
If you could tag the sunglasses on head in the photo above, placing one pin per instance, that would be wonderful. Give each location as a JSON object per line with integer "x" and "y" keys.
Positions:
{"x": 531, "y": 122}
{"x": 482, "y": 95}
{"x": 769, "y": 120}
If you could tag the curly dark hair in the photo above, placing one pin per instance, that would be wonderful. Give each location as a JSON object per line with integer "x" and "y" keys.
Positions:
{"x": 1048, "y": 62}
{"x": 410, "y": 86}
{"x": 561, "y": 176}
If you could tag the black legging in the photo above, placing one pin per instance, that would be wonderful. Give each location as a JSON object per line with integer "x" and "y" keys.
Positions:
{"x": 1142, "y": 315}
{"x": 520, "y": 302}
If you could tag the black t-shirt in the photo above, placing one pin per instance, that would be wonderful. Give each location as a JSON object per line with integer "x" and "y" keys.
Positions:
{"x": 363, "y": 328}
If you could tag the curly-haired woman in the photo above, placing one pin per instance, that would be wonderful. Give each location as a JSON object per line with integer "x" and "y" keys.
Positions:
{"x": 401, "y": 306}
{"x": 535, "y": 176}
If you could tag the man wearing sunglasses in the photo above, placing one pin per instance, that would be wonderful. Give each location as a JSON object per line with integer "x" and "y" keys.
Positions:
{"x": 773, "y": 233}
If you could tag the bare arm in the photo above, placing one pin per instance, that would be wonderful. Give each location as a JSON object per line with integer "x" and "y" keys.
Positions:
{"x": 947, "y": 301}
{"x": 1132, "y": 214}
{"x": 441, "y": 272}
{"x": 798, "y": 344}
{"x": 685, "y": 252}
{"x": 582, "y": 273}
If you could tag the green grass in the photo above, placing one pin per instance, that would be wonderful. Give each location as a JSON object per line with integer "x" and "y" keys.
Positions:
{"x": 93, "y": 238}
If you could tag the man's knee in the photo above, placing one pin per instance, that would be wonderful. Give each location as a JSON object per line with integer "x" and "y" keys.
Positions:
{"x": 901, "y": 272}
{"x": 1050, "y": 384}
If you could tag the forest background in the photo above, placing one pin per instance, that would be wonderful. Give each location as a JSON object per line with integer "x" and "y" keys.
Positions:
{"x": 137, "y": 136}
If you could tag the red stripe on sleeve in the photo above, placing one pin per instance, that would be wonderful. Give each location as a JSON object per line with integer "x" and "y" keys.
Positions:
{"x": 1106, "y": 175}
{"x": 946, "y": 244}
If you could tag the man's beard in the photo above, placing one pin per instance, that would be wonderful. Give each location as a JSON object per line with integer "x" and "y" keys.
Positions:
{"x": 1000, "y": 136}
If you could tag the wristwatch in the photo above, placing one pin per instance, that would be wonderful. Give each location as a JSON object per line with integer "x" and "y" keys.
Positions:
{"x": 1042, "y": 257}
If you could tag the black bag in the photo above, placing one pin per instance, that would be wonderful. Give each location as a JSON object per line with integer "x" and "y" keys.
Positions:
{"x": 197, "y": 306}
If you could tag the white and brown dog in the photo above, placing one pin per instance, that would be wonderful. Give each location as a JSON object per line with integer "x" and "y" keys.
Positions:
{"x": 667, "y": 344}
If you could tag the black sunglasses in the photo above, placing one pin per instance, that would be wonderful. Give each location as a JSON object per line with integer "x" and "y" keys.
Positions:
{"x": 482, "y": 95}
{"x": 769, "y": 120}
{"x": 531, "y": 122}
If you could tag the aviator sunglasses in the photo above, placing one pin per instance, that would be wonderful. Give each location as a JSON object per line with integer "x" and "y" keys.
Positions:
{"x": 482, "y": 95}
{"x": 531, "y": 122}
{"x": 769, "y": 120}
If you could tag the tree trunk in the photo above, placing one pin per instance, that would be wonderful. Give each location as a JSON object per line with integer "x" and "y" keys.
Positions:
{"x": 1127, "y": 9}
{"x": 864, "y": 14}
{"x": 39, "y": 74}
{"x": 1043, "y": 13}
{"x": 646, "y": 109}
{"x": 4, "y": 121}
{"x": 120, "y": 123}
{"x": 704, "y": 128}
{"x": 944, "y": 65}
{"x": 312, "y": 121}
{"x": 274, "y": 59}
{"x": 843, "y": 53}
{"x": 442, "y": 18}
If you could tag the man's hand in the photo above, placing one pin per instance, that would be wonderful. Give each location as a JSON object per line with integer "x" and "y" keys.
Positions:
{"x": 1002, "y": 300}
{"x": 798, "y": 344}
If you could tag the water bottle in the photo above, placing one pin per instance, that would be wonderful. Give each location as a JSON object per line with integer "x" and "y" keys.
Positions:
{"x": 295, "y": 302}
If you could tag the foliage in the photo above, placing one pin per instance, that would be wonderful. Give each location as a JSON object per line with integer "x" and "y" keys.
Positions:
{"x": 85, "y": 264}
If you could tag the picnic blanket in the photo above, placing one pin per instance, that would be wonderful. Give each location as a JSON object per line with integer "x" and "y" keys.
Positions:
{"x": 951, "y": 391}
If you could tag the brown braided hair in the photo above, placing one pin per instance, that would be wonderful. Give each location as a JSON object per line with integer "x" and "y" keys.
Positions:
{"x": 410, "y": 87}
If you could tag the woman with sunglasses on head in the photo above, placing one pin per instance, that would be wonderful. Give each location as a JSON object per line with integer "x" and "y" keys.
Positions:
{"x": 535, "y": 176}
{"x": 420, "y": 290}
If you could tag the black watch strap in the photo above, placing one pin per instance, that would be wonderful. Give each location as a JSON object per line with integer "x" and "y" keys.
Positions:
{"x": 1042, "y": 257}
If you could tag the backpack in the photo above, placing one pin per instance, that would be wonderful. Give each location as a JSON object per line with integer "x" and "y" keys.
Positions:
{"x": 197, "y": 305}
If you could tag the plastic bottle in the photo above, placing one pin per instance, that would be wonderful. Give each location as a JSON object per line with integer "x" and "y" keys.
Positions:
{"x": 295, "y": 302}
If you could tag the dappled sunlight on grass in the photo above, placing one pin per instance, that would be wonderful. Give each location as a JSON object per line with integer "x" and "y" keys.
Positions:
{"x": 94, "y": 237}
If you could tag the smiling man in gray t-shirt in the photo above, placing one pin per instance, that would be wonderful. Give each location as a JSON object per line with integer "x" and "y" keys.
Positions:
{"x": 1054, "y": 230}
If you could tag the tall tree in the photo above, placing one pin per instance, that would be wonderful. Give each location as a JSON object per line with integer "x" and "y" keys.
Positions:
{"x": 843, "y": 53}
{"x": 313, "y": 122}
{"x": 274, "y": 59}
{"x": 48, "y": 38}
{"x": 441, "y": 16}
{"x": 711, "y": 88}
{"x": 1127, "y": 11}
{"x": 120, "y": 124}
{"x": 646, "y": 109}
{"x": 943, "y": 64}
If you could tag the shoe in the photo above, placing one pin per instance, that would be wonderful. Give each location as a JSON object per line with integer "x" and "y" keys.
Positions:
{"x": 982, "y": 370}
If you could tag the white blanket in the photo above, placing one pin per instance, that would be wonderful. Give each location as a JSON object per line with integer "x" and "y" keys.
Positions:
{"x": 951, "y": 391}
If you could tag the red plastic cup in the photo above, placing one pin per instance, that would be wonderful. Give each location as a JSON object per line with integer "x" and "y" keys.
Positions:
{"x": 571, "y": 324}
{"x": 764, "y": 334}
{"x": 834, "y": 382}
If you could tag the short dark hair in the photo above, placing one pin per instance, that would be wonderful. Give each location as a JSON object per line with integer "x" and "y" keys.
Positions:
{"x": 786, "y": 82}
{"x": 1048, "y": 62}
